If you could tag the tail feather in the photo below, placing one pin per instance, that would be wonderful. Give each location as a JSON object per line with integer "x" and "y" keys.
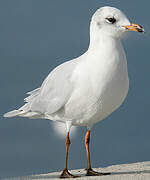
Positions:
{"x": 13, "y": 113}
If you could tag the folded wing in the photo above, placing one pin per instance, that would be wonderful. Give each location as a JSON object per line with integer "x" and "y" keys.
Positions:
{"x": 51, "y": 96}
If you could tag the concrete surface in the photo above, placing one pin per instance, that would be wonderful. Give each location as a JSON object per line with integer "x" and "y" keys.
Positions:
{"x": 134, "y": 171}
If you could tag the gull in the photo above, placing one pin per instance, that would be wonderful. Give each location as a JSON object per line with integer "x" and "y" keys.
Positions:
{"x": 87, "y": 89}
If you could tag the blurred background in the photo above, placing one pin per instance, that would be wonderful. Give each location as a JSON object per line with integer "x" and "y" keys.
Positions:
{"x": 35, "y": 37}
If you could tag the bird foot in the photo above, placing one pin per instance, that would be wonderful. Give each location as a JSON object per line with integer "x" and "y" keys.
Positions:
{"x": 67, "y": 174}
{"x": 91, "y": 172}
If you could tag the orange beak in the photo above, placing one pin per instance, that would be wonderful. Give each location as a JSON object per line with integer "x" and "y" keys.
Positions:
{"x": 135, "y": 27}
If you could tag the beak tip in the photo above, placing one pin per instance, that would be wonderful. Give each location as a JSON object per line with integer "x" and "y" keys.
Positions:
{"x": 141, "y": 30}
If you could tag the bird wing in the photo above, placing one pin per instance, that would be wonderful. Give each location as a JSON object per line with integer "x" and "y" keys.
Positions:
{"x": 54, "y": 92}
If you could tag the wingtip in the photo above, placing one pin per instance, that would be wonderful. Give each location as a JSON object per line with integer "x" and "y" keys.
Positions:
{"x": 11, "y": 113}
{"x": 5, "y": 115}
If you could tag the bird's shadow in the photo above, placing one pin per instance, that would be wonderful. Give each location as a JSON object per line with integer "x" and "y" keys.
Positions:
{"x": 83, "y": 174}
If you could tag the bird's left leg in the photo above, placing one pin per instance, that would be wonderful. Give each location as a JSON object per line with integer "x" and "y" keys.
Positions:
{"x": 89, "y": 170}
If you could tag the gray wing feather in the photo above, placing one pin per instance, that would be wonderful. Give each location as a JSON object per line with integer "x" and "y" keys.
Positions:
{"x": 54, "y": 92}
{"x": 32, "y": 95}
{"x": 33, "y": 91}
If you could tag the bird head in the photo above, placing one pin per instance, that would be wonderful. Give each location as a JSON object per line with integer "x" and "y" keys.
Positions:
{"x": 113, "y": 22}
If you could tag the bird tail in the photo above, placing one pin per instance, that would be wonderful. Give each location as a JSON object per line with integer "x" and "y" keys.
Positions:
{"x": 13, "y": 113}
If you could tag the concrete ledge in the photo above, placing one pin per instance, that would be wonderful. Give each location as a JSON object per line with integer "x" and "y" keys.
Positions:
{"x": 135, "y": 171}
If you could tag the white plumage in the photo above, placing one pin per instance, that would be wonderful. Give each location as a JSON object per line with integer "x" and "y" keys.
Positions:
{"x": 87, "y": 89}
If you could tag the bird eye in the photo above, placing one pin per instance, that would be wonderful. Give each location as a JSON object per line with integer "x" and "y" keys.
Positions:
{"x": 111, "y": 20}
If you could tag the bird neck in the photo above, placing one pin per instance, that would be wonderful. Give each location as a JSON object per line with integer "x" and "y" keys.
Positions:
{"x": 104, "y": 48}
{"x": 99, "y": 39}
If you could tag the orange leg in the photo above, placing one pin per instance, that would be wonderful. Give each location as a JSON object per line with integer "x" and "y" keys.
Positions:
{"x": 87, "y": 141}
{"x": 90, "y": 171}
{"x": 66, "y": 173}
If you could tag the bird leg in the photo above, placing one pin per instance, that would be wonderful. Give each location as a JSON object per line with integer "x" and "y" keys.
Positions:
{"x": 66, "y": 173}
{"x": 89, "y": 170}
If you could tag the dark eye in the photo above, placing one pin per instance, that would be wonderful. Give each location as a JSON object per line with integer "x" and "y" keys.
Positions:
{"x": 111, "y": 20}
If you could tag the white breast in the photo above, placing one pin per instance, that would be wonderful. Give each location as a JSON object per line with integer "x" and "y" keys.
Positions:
{"x": 101, "y": 85}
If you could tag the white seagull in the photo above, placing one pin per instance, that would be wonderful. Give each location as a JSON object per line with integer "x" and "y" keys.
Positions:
{"x": 87, "y": 89}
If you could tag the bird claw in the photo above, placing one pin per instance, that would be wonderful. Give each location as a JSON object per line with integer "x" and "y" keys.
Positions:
{"x": 91, "y": 172}
{"x": 67, "y": 174}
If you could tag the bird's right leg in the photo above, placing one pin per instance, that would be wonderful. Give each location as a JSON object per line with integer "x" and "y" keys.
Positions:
{"x": 66, "y": 173}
